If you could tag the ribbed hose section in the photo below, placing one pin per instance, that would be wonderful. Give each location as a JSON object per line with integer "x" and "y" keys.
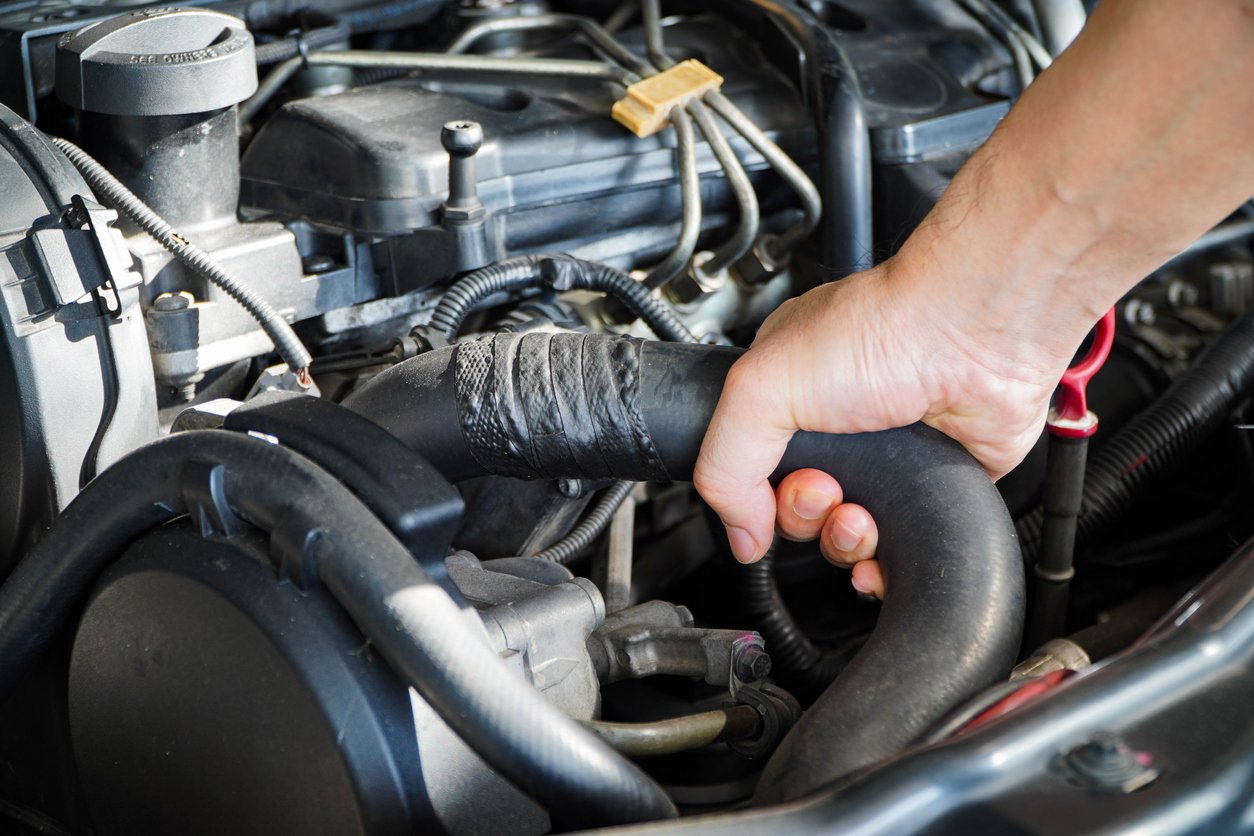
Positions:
{"x": 582, "y": 535}
{"x": 564, "y": 273}
{"x": 560, "y": 272}
{"x": 1162, "y": 437}
{"x": 111, "y": 190}
{"x": 794, "y": 657}
{"x": 471, "y": 289}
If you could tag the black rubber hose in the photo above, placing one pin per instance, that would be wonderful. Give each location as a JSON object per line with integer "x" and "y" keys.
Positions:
{"x": 113, "y": 192}
{"x": 795, "y": 661}
{"x": 315, "y": 39}
{"x": 471, "y": 289}
{"x": 599, "y": 407}
{"x": 559, "y": 272}
{"x": 402, "y": 13}
{"x": 835, "y": 98}
{"x": 413, "y": 623}
{"x": 1161, "y": 438}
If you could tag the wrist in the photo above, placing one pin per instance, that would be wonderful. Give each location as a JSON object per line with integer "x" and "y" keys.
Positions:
{"x": 1006, "y": 262}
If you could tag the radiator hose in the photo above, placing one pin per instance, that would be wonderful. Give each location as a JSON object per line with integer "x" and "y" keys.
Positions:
{"x": 604, "y": 407}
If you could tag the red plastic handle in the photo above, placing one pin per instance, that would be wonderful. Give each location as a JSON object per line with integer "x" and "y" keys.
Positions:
{"x": 1070, "y": 414}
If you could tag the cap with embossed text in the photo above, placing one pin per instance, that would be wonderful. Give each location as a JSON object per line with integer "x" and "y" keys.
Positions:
{"x": 157, "y": 62}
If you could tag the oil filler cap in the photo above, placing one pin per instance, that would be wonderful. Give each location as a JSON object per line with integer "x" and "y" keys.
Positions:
{"x": 157, "y": 62}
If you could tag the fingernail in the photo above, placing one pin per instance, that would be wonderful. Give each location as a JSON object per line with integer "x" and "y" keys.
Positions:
{"x": 810, "y": 505}
{"x": 861, "y": 588}
{"x": 844, "y": 538}
{"x": 743, "y": 546}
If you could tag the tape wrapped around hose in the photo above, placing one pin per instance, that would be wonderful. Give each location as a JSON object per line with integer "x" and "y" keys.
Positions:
{"x": 953, "y": 615}
{"x": 554, "y": 405}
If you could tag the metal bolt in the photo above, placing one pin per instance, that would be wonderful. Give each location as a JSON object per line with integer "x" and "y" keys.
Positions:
{"x": 1139, "y": 312}
{"x": 751, "y": 664}
{"x": 169, "y": 302}
{"x": 314, "y": 264}
{"x": 1105, "y": 761}
{"x": 570, "y": 487}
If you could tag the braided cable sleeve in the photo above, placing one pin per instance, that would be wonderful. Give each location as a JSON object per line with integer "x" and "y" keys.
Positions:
{"x": 111, "y": 190}
{"x": 582, "y": 535}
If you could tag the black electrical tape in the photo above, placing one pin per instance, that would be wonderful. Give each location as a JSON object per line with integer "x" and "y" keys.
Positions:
{"x": 550, "y": 405}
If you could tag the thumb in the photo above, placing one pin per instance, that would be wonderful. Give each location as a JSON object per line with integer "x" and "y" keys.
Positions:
{"x": 742, "y": 447}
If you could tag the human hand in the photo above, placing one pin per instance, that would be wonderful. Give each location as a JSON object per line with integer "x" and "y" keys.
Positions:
{"x": 873, "y": 351}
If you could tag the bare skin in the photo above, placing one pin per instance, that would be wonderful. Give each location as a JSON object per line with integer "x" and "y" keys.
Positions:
{"x": 1139, "y": 139}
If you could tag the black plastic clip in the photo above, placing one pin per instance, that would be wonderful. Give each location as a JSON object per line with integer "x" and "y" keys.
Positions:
{"x": 772, "y": 727}
{"x": 294, "y": 545}
{"x": 203, "y": 485}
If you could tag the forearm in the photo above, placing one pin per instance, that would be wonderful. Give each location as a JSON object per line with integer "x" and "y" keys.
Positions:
{"x": 1133, "y": 144}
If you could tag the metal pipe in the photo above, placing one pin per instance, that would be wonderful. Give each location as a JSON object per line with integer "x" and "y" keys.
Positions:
{"x": 666, "y": 737}
{"x": 747, "y": 230}
{"x": 621, "y": 16}
{"x": 1061, "y": 21}
{"x": 270, "y": 85}
{"x": 439, "y": 62}
{"x": 1220, "y": 236}
{"x": 586, "y": 26}
{"x": 982, "y": 12}
{"x": 690, "y": 193}
{"x": 433, "y": 61}
{"x": 651, "y": 13}
{"x": 1035, "y": 48}
{"x": 618, "y": 556}
{"x": 792, "y": 174}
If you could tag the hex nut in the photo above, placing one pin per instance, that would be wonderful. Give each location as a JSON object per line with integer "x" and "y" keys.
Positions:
{"x": 694, "y": 284}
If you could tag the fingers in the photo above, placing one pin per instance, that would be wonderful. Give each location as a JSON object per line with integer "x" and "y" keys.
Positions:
{"x": 803, "y": 501}
{"x": 868, "y": 579}
{"x": 809, "y": 504}
{"x": 849, "y": 535}
{"x": 742, "y": 447}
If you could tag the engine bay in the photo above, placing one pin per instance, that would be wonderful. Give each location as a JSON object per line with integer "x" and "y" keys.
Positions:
{"x": 356, "y": 361}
